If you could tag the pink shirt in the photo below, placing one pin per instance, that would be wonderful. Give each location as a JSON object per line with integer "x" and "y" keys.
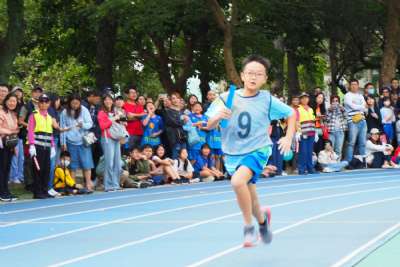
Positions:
{"x": 8, "y": 121}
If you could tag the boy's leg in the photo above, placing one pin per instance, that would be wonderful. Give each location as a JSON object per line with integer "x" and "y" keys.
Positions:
{"x": 255, "y": 204}
{"x": 239, "y": 182}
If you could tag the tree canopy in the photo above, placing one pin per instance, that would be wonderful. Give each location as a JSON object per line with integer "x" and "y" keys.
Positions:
{"x": 157, "y": 45}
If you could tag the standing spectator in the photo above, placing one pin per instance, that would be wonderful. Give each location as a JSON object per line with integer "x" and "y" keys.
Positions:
{"x": 141, "y": 101}
{"x": 355, "y": 107}
{"x": 17, "y": 162}
{"x": 111, "y": 147}
{"x": 153, "y": 127}
{"x": 329, "y": 160}
{"x": 394, "y": 98}
{"x": 337, "y": 125}
{"x": 213, "y": 139}
{"x": 385, "y": 93}
{"x": 199, "y": 121}
{"x": 92, "y": 104}
{"x": 3, "y": 93}
{"x": 211, "y": 96}
{"x": 320, "y": 115}
{"x": 134, "y": 113}
{"x": 78, "y": 120}
{"x": 369, "y": 90}
{"x": 8, "y": 130}
{"x": 41, "y": 146}
{"x": 378, "y": 154}
{"x": 192, "y": 99}
{"x": 174, "y": 119}
{"x": 388, "y": 118}
{"x": 54, "y": 111}
{"x": 394, "y": 85}
{"x": 307, "y": 136}
{"x": 276, "y": 159}
{"x": 373, "y": 117}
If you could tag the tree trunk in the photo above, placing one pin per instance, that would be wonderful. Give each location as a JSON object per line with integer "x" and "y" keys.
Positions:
{"x": 227, "y": 28}
{"x": 392, "y": 42}
{"x": 163, "y": 66}
{"x": 279, "y": 82}
{"x": 334, "y": 65}
{"x": 106, "y": 38}
{"x": 293, "y": 74}
{"x": 10, "y": 45}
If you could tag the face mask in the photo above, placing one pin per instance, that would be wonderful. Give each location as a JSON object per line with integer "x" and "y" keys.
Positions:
{"x": 371, "y": 91}
{"x": 66, "y": 163}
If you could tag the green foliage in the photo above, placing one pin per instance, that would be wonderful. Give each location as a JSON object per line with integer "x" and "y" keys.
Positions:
{"x": 61, "y": 77}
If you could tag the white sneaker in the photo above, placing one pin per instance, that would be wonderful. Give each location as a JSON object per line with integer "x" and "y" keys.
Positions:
{"x": 397, "y": 166}
{"x": 284, "y": 174}
{"x": 194, "y": 180}
{"x": 208, "y": 179}
{"x": 326, "y": 169}
{"x": 53, "y": 193}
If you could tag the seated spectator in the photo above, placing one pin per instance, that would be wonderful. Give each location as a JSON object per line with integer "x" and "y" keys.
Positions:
{"x": 164, "y": 166}
{"x": 398, "y": 128}
{"x": 396, "y": 157}
{"x": 184, "y": 168}
{"x": 156, "y": 174}
{"x": 64, "y": 184}
{"x": 124, "y": 180}
{"x": 204, "y": 166}
{"x": 378, "y": 154}
{"x": 139, "y": 168}
{"x": 329, "y": 160}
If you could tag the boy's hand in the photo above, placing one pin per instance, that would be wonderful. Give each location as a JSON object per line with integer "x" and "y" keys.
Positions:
{"x": 224, "y": 114}
{"x": 284, "y": 144}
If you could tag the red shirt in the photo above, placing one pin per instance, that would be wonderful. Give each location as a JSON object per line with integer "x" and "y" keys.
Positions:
{"x": 134, "y": 127}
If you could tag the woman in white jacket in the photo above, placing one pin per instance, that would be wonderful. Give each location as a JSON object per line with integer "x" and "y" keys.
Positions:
{"x": 378, "y": 154}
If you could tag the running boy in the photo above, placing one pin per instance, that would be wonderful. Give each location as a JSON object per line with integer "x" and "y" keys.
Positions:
{"x": 245, "y": 142}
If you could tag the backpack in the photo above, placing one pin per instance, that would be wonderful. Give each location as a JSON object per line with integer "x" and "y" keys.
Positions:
{"x": 118, "y": 131}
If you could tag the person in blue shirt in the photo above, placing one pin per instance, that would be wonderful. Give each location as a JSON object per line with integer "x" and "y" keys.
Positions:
{"x": 213, "y": 139}
{"x": 153, "y": 127}
{"x": 245, "y": 142}
{"x": 199, "y": 121}
{"x": 204, "y": 166}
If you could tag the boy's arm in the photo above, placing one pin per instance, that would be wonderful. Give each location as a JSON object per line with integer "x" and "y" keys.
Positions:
{"x": 286, "y": 141}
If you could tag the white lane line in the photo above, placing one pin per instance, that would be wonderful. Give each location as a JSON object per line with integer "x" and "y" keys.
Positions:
{"x": 103, "y": 209}
{"x": 276, "y": 180}
{"x": 289, "y": 227}
{"x": 149, "y": 238}
{"x": 367, "y": 245}
{"x": 224, "y": 222}
{"x": 83, "y": 229}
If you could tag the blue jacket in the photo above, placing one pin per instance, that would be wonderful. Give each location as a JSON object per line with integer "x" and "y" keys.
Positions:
{"x": 75, "y": 134}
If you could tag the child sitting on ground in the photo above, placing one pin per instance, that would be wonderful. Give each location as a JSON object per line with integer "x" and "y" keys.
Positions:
{"x": 204, "y": 166}
{"x": 139, "y": 168}
{"x": 184, "y": 168}
{"x": 63, "y": 181}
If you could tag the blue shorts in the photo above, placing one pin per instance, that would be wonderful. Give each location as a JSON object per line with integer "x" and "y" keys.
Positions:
{"x": 255, "y": 161}
{"x": 217, "y": 152}
{"x": 81, "y": 157}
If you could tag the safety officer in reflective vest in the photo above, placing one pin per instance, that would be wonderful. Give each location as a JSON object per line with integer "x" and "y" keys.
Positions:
{"x": 307, "y": 135}
{"x": 41, "y": 146}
